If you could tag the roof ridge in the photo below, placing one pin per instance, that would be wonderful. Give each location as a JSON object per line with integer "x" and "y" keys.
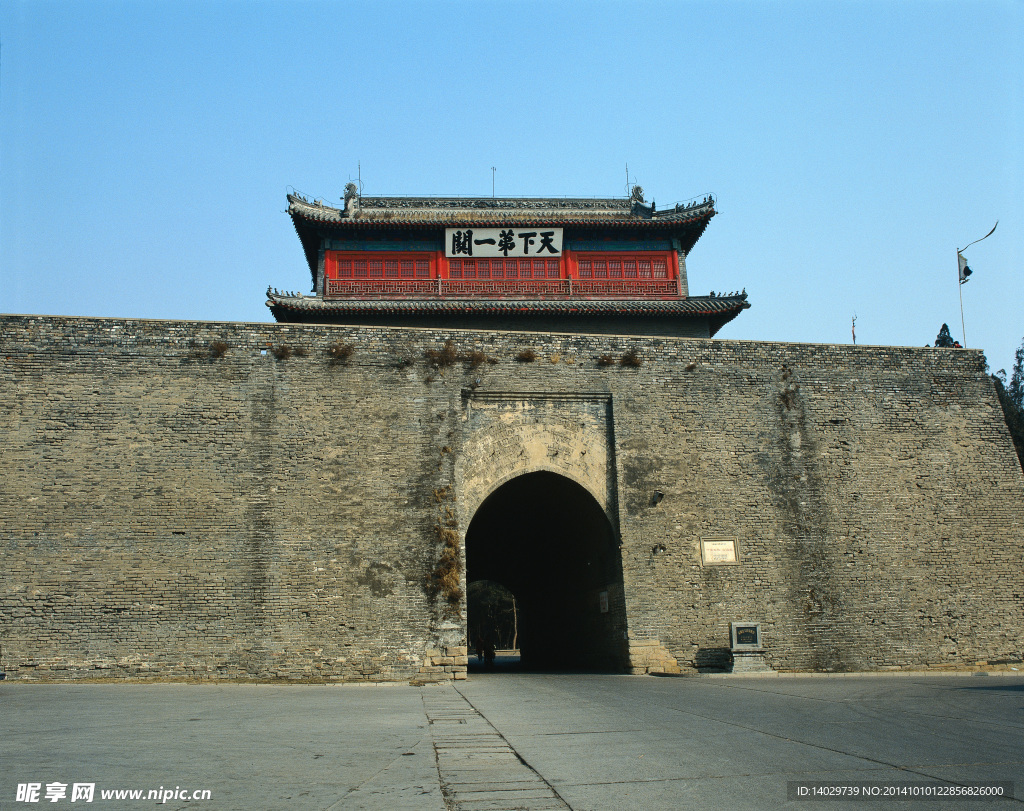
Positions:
{"x": 370, "y": 205}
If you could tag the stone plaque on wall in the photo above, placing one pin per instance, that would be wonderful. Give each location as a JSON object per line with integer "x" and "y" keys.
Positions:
{"x": 718, "y": 550}
{"x": 746, "y": 636}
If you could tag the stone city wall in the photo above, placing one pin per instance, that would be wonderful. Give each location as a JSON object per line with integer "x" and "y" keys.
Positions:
{"x": 223, "y": 500}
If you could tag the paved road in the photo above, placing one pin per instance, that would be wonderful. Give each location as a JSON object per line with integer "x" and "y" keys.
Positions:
{"x": 524, "y": 741}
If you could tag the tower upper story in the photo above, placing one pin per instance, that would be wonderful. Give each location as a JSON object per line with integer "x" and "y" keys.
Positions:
{"x": 556, "y": 264}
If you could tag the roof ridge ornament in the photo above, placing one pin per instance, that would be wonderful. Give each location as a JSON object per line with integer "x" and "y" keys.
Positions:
{"x": 637, "y": 204}
{"x": 351, "y": 198}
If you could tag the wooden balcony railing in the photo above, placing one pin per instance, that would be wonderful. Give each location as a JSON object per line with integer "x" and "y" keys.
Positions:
{"x": 502, "y": 288}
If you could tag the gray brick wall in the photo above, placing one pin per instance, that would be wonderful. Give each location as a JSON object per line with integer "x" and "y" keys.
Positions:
{"x": 171, "y": 508}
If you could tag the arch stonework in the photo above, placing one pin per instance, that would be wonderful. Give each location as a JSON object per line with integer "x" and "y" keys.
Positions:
{"x": 509, "y": 434}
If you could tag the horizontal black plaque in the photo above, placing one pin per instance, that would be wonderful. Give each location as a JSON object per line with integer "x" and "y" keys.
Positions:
{"x": 746, "y": 636}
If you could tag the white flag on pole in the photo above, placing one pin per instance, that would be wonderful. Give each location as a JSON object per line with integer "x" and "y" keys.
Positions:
{"x": 965, "y": 271}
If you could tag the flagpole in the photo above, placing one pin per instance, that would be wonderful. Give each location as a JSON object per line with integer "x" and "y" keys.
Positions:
{"x": 960, "y": 287}
{"x": 961, "y": 277}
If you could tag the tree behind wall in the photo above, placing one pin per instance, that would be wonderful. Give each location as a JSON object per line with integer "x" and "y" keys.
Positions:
{"x": 1011, "y": 397}
{"x": 492, "y": 613}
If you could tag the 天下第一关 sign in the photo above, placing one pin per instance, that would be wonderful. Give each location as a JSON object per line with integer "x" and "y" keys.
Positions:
{"x": 508, "y": 242}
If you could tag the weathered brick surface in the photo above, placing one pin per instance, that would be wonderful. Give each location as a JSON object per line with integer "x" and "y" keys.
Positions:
{"x": 169, "y": 509}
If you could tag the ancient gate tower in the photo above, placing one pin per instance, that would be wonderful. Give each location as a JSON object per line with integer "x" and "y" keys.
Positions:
{"x": 543, "y": 461}
{"x": 515, "y": 390}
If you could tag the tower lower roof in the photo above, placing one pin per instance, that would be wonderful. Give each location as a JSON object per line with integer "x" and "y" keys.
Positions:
{"x": 717, "y": 310}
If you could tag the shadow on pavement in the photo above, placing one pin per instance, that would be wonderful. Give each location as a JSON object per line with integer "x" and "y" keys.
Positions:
{"x": 1001, "y": 688}
{"x": 513, "y": 664}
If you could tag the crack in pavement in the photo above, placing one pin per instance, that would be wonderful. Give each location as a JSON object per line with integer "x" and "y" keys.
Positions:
{"x": 372, "y": 777}
{"x": 477, "y": 767}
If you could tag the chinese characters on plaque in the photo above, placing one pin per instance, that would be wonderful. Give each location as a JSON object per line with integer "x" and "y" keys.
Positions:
{"x": 507, "y": 242}
{"x": 745, "y": 636}
{"x": 718, "y": 550}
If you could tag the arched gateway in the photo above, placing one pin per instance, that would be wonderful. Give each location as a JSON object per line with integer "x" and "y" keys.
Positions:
{"x": 536, "y": 485}
{"x": 547, "y": 539}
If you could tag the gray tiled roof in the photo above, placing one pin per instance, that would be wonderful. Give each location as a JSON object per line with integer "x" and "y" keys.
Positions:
{"x": 693, "y": 306}
{"x": 482, "y": 210}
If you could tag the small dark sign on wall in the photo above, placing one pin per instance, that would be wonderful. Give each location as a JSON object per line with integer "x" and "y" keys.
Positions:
{"x": 746, "y": 636}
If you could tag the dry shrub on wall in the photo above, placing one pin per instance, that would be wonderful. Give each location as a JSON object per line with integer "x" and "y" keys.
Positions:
{"x": 447, "y": 575}
{"x": 446, "y": 578}
{"x": 445, "y": 356}
{"x": 340, "y": 353}
{"x": 218, "y": 349}
{"x": 526, "y": 356}
{"x": 606, "y": 360}
{"x": 283, "y": 351}
{"x": 631, "y": 359}
{"x": 448, "y": 355}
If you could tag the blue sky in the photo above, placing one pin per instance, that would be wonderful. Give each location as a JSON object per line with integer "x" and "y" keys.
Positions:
{"x": 146, "y": 147}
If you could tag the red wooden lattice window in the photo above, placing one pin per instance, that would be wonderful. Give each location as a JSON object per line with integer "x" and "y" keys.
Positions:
{"x": 376, "y": 266}
{"x": 504, "y": 268}
{"x": 624, "y": 266}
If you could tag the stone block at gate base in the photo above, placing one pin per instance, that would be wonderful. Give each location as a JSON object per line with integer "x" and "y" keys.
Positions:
{"x": 650, "y": 656}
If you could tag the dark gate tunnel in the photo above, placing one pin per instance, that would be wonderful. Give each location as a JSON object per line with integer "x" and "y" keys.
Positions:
{"x": 548, "y": 541}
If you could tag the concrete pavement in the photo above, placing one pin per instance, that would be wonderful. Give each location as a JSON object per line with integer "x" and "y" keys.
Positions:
{"x": 506, "y": 740}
